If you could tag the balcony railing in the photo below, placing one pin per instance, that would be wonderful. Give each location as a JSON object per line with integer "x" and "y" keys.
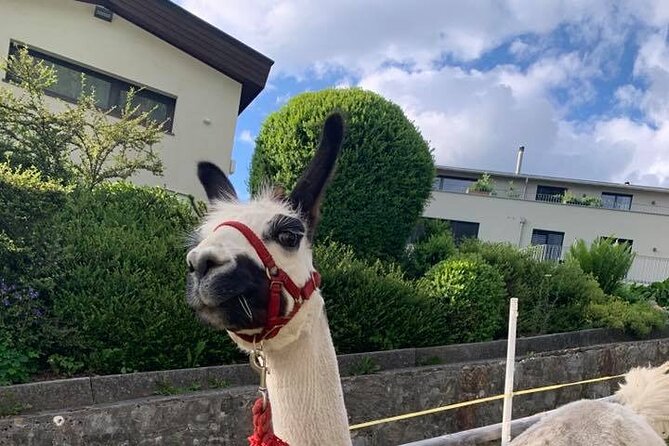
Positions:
{"x": 589, "y": 202}
{"x": 647, "y": 269}
{"x": 644, "y": 269}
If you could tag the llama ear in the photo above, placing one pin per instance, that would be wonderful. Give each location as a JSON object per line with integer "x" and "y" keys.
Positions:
{"x": 310, "y": 188}
{"x": 216, "y": 183}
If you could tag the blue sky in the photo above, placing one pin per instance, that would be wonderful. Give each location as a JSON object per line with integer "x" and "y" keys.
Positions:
{"x": 584, "y": 86}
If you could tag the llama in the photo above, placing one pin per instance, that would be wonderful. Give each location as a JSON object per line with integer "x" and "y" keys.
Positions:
{"x": 231, "y": 269}
{"x": 639, "y": 417}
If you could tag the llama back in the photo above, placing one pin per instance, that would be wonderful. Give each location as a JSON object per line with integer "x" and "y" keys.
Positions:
{"x": 590, "y": 423}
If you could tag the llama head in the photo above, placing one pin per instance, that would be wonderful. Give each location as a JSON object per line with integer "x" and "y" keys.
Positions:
{"x": 228, "y": 284}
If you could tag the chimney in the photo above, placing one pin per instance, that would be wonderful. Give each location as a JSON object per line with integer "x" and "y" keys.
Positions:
{"x": 519, "y": 160}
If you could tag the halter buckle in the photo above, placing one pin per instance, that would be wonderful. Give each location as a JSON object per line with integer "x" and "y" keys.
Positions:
{"x": 259, "y": 364}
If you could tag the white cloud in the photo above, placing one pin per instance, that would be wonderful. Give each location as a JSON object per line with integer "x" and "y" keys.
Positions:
{"x": 477, "y": 118}
{"x": 304, "y": 34}
{"x": 246, "y": 137}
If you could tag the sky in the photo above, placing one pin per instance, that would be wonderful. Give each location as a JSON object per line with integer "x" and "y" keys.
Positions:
{"x": 582, "y": 84}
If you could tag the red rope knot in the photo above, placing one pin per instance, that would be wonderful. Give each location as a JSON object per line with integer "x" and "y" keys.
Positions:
{"x": 263, "y": 433}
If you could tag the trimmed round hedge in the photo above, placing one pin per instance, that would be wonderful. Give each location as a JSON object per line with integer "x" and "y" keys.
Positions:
{"x": 384, "y": 173}
{"x": 469, "y": 298}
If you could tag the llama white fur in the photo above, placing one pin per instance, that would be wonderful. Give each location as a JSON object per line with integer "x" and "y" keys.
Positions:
{"x": 640, "y": 417}
{"x": 303, "y": 381}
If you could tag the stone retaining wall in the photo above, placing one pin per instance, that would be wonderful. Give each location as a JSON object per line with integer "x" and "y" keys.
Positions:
{"x": 124, "y": 410}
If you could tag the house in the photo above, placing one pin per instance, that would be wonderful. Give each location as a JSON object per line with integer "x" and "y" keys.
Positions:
{"x": 198, "y": 78}
{"x": 549, "y": 214}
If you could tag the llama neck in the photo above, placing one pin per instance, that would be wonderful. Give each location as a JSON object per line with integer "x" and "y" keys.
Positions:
{"x": 305, "y": 390}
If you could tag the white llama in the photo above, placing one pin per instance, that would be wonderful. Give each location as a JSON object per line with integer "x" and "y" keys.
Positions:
{"x": 251, "y": 275}
{"x": 640, "y": 417}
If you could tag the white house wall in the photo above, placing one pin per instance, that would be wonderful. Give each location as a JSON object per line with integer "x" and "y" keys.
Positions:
{"x": 500, "y": 220}
{"x": 67, "y": 29}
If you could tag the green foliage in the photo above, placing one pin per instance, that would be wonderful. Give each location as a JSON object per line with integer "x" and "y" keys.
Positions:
{"x": 564, "y": 302}
{"x": 384, "y": 174}
{"x": 551, "y": 296}
{"x": 483, "y": 184}
{"x": 432, "y": 243}
{"x": 607, "y": 260}
{"x": 585, "y": 200}
{"x": 638, "y": 318}
{"x": 469, "y": 298}
{"x": 121, "y": 296}
{"x": 72, "y": 143}
{"x": 16, "y": 366}
{"x": 656, "y": 291}
{"x": 27, "y": 237}
{"x": 370, "y": 305}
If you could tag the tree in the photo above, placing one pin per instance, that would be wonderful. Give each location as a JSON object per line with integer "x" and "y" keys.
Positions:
{"x": 72, "y": 143}
{"x": 384, "y": 174}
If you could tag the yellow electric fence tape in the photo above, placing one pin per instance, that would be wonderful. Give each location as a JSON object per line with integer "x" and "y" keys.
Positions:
{"x": 478, "y": 401}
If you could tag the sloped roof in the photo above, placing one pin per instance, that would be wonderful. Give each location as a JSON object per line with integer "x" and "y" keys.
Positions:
{"x": 181, "y": 29}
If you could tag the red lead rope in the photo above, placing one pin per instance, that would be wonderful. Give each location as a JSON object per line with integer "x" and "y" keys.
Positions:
{"x": 263, "y": 433}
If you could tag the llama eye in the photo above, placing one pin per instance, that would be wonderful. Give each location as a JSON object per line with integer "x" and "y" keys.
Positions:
{"x": 289, "y": 239}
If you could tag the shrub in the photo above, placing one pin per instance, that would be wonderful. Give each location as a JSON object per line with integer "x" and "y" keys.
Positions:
{"x": 607, "y": 260}
{"x": 121, "y": 298}
{"x": 28, "y": 240}
{"x": 551, "y": 297}
{"x": 563, "y": 303}
{"x": 656, "y": 291}
{"x": 469, "y": 299}
{"x": 431, "y": 243}
{"x": 384, "y": 173}
{"x": 16, "y": 365}
{"x": 369, "y": 304}
{"x": 638, "y": 318}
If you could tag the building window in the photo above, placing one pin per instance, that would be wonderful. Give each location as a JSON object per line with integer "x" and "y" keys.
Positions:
{"x": 452, "y": 184}
{"x": 616, "y": 201}
{"x": 550, "y": 243}
{"x": 551, "y": 194}
{"x": 463, "y": 230}
{"x": 619, "y": 241}
{"x": 110, "y": 93}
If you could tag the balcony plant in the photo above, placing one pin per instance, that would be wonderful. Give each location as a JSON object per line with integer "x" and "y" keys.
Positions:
{"x": 585, "y": 200}
{"x": 482, "y": 186}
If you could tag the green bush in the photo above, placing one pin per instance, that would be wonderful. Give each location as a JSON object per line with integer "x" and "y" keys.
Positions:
{"x": 431, "y": 243}
{"x": 121, "y": 298}
{"x": 607, "y": 260}
{"x": 551, "y": 297}
{"x": 369, "y": 304}
{"x": 638, "y": 318}
{"x": 656, "y": 291}
{"x": 384, "y": 174}
{"x": 16, "y": 366}
{"x": 469, "y": 299}
{"x": 28, "y": 240}
{"x": 564, "y": 301}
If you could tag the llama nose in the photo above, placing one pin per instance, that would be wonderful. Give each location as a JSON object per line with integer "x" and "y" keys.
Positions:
{"x": 201, "y": 261}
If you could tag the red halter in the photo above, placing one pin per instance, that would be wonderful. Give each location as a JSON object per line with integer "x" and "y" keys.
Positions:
{"x": 279, "y": 281}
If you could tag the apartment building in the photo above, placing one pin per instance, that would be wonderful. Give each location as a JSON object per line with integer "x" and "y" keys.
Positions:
{"x": 547, "y": 214}
{"x": 196, "y": 77}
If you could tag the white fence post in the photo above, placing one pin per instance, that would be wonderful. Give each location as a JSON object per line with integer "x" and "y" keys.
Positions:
{"x": 510, "y": 366}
